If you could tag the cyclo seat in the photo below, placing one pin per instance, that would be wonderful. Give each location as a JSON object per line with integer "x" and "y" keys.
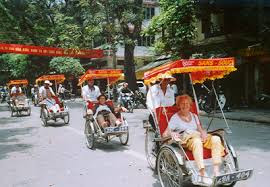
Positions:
{"x": 163, "y": 119}
{"x": 57, "y": 101}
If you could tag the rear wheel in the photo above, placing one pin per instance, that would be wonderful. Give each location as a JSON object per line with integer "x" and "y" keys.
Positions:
{"x": 169, "y": 171}
{"x": 150, "y": 148}
{"x": 29, "y": 111}
{"x": 89, "y": 134}
{"x": 124, "y": 138}
{"x": 66, "y": 119}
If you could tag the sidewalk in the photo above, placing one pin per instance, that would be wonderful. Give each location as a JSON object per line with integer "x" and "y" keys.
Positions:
{"x": 245, "y": 114}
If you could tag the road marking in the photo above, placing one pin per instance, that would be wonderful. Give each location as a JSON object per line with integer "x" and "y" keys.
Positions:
{"x": 128, "y": 152}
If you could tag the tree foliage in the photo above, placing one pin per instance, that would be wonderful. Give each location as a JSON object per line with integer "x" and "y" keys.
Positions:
{"x": 67, "y": 66}
{"x": 175, "y": 24}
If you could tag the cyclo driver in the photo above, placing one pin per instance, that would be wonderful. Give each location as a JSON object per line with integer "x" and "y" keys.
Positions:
{"x": 46, "y": 96}
{"x": 14, "y": 93}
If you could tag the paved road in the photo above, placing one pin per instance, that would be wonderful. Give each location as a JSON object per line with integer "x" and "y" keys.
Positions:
{"x": 34, "y": 156}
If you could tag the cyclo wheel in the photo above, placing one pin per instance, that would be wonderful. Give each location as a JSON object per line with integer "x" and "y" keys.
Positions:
{"x": 130, "y": 107}
{"x": 44, "y": 116}
{"x": 169, "y": 171}
{"x": 150, "y": 148}
{"x": 235, "y": 166}
{"x": 89, "y": 134}
{"x": 29, "y": 111}
{"x": 124, "y": 138}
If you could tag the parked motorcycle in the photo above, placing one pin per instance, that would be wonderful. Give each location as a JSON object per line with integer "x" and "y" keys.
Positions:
{"x": 264, "y": 100}
{"x": 207, "y": 101}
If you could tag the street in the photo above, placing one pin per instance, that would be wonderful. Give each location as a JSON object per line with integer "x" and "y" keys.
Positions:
{"x": 35, "y": 156}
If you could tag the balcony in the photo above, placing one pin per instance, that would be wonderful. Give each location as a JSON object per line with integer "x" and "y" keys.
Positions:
{"x": 215, "y": 30}
{"x": 151, "y": 2}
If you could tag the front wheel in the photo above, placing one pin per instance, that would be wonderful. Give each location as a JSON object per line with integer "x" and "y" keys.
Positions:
{"x": 89, "y": 134}
{"x": 169, "y": 171}
{"x": 44, "y": 117}
{"x": 130, "y": 107}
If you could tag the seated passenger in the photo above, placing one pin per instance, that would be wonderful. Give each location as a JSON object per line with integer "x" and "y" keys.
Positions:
{"x": 51, "y": 103}
{"x": 101, "y": 109}
{"x": 186, "y": 129}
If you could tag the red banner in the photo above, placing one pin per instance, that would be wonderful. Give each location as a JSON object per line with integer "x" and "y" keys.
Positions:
{"x": 50, "y": 51}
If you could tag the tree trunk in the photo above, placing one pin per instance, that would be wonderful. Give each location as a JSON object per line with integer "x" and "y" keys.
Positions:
{"x": 129, "y": 66}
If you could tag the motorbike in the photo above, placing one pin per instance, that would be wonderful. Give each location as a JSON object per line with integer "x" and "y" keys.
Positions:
{"x": 139, "y": 98}
{"x": 127, "y": 100}
{"x": 264, "y": 100}
{"x": 207, "y": 102}
{"x": 4, "y": 96}
{"x": 35, "y": 99}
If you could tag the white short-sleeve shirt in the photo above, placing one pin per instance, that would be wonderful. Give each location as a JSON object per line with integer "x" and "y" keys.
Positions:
{"x": 179, "y": 125}
{"x": 155, "y": 97}
{"x": 14, "y": 90}
{"x": 90, "y": 94}
{"x": 43, "y": 91}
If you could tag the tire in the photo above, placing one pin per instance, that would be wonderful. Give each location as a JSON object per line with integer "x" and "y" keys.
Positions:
{"x": 236, "y": 167}
{"x": 66, "y": 119}
{"x": 150, "y": 148}
{"x": 124, "y": 138}
{"x": 12, "y": 113}
{"x": 29, "y": 111}
{"x": 169, "y": 174}
{"x": 130, "y": 107}
{"x": 89, "y": 135}
{"x": 44, "y": 116}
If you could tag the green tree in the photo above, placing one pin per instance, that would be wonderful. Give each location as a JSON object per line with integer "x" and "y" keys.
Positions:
{"x": 67, "y": 66}
{"x": 175, "y": 24}
{"x": 114, "y": 19}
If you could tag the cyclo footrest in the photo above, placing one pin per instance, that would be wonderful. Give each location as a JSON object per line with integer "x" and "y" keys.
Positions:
{"x": 115, "y": 130}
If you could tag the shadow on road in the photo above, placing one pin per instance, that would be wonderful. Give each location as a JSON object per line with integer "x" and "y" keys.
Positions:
{"x": 10, "y": 137}
{"x": 112, "y": 146}
{"x": 9, "y": 120}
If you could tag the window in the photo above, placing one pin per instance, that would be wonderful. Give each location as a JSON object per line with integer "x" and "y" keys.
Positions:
{"x": 146, "y": 41}
{"x": 120, "y": 62}
{"x": 149, "y": 12}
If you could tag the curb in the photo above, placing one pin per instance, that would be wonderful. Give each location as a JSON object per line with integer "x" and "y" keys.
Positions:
{"x": 239, "y": 119}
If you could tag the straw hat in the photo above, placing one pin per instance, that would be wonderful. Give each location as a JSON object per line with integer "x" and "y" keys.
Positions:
{"x": 48, "y": 82}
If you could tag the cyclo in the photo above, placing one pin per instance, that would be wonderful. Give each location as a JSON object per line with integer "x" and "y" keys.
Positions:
{"x": 172, "y": 161}
{"x": 93, "y": 132}
{"x": 47, "y": 113}
{"x": 18, "y": 101}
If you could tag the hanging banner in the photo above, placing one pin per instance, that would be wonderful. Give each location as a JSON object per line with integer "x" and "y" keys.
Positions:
{"x": 50, "y": 51}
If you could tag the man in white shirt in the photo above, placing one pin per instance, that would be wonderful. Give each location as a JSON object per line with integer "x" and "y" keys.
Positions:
{"x": 44, "y": 90}
{"x": 90, "y": 91}
{"x": 160, "y": 95}
{"x": 15, "y": 90}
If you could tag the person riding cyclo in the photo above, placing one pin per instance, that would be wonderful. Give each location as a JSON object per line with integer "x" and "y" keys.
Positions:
{"x": 184, "y": 127}
{"x": 17, "y": 95}
{"x": 160, "y": 94}
{"x": 90, "y": 92}
{"x": 47, "y": 96}
{"x": 103, "y": 110}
